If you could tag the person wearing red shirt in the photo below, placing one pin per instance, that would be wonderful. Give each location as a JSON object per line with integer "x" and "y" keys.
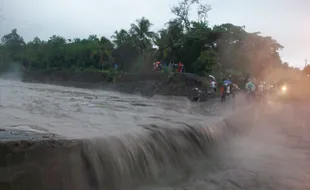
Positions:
{"x": 180, "y": 67}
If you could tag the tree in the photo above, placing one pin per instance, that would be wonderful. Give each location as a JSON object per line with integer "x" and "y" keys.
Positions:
{"x": 141, "y": 34}
{"x": 121, "y": 37}
{"x": 224, "y": 48}
{"x": 169, "y": 40}
{"x": 207, "y": 62}
{"x": 182, "y": 11}
{"x": 14, "y": 44}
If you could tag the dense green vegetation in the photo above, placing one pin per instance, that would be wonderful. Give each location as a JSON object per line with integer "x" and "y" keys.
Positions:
{"x": 202, "y": 48}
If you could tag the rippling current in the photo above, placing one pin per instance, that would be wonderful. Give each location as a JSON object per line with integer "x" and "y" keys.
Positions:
{"x": 165, "y": 142}
{"x": 85, "y": 113}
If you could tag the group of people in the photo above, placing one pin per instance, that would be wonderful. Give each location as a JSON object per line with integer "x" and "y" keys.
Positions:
{"x": 262, "y": 89}
{"x": 162, "y": 66}
{"x": 228, "y": 88}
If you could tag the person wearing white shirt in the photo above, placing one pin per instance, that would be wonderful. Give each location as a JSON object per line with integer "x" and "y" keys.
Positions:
{"x": 213, "y": 85}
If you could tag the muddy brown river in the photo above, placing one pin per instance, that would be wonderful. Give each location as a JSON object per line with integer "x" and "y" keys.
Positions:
{"x": 273, "y": 154}
{"x": 81, "y": 113}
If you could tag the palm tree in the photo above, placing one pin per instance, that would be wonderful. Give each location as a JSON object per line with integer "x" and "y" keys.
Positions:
{"x": 104, "y": 48}
{"x": 169, "y": 39}
{"x": 142, "y": 36}
{"x": 120, "y": 37}
{"x": 141, "y": 33}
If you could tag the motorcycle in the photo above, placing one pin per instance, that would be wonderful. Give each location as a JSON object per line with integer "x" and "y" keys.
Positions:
{"x": 283, "y": 90}
{"x": 283, "y": 93}
{"x": 197, "y": 95}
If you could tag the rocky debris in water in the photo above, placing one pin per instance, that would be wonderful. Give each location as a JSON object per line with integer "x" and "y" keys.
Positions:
{"x": 90, "y": 97}
{"x": 26, "y": 145}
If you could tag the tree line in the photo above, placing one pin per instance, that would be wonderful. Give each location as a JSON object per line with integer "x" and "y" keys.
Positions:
{"x": 203, "y": 49}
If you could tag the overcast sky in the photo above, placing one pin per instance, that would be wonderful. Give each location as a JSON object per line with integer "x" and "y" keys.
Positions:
{"x": 285, "y": 20}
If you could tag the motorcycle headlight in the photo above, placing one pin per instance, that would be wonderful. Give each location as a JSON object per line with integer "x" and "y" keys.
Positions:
{"x": 284, "y": 89}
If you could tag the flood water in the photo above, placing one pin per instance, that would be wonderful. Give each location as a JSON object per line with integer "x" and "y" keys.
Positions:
{"x": 274, "y": 155}
{"x": 82, "y": 113}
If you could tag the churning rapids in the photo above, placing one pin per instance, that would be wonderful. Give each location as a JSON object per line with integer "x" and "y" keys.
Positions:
{"x": 82, "y": 113}
{"x": 132, "y": 142}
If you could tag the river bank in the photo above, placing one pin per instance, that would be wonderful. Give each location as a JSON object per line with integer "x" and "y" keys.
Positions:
{"x": 147, "y": 84}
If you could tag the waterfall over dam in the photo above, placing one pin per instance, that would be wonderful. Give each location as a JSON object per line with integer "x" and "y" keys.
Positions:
{"x": 77, "y": 139}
